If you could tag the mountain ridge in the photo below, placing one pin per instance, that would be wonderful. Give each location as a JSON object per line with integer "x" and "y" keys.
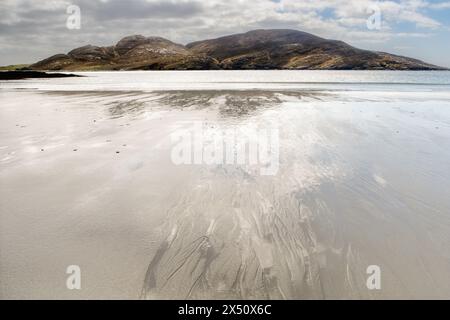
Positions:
{"x": 263, "y": 49}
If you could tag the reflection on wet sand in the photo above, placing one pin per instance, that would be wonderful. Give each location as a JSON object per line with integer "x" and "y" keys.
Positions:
{"x": 361, "y": 183}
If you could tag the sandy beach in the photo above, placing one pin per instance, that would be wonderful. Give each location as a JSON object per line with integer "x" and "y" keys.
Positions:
{"x": 88, "y": 178}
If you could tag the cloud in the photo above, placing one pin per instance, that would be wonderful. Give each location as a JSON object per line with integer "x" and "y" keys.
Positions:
{"x": 29, "y": 25}
{"x": 140, "y": 9}
{"x": 442, "y": 5}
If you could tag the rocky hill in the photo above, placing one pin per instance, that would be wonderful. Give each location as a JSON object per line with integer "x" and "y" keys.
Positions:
{"x": 254, "y": 50}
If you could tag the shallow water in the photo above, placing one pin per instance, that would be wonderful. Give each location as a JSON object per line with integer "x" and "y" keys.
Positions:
{"x": 87, "y": 178}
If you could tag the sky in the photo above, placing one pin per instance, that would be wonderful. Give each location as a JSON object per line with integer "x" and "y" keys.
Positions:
{"x": 31, "y": 30}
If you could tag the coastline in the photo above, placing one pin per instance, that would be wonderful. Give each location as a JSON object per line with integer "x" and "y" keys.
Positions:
{"x": 28, "y": 74}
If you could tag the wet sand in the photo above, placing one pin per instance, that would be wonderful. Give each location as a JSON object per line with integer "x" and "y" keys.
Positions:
{"x": 86, "y": 178}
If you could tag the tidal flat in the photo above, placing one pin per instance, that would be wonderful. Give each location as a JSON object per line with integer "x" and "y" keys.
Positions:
{"x": 88, "y": 178}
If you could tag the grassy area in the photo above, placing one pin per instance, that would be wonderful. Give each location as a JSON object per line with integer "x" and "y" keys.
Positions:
{"x": 13, "y": 67}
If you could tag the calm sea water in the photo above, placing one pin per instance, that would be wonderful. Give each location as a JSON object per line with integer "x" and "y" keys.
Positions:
{"x": 88, "y": 178}
{"x": 197, "y": 80}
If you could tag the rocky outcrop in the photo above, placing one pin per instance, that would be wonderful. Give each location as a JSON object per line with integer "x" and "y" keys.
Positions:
{"x": 19, "y": 75}
{"x": 92, "y": 53}
{"x": 258, "y": 49}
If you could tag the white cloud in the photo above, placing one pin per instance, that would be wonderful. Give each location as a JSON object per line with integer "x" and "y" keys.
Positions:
{"x": 42, "y": 23}
{"x": 442, "y": 5}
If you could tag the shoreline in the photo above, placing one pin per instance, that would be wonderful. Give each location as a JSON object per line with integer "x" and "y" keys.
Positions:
{"x": 20, "y": 75}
